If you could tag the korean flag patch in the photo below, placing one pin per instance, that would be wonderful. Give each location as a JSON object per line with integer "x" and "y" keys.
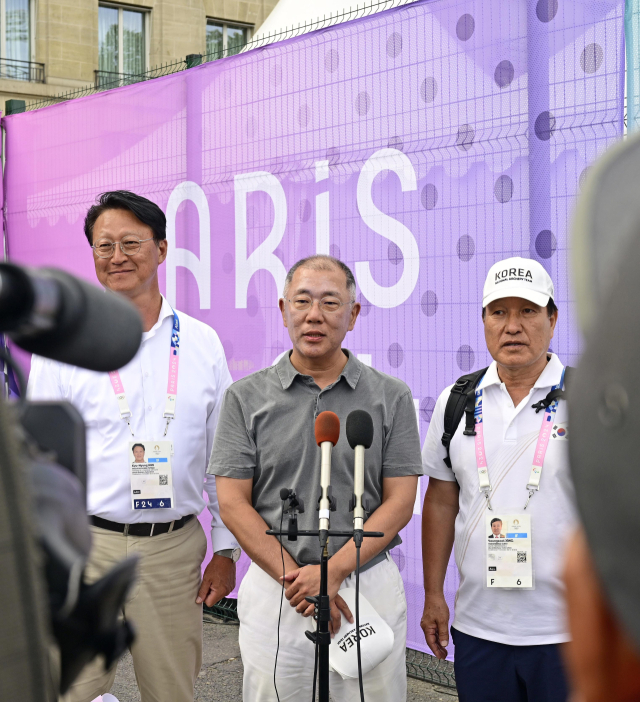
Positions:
{"x": 560, "y": 431}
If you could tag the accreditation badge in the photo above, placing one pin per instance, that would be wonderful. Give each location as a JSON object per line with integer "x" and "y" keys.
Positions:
{"x": 508, "y": 551}
{"x": 151, "y": 477}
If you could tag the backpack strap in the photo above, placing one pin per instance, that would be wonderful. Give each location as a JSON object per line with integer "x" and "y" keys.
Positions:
{"x": 461, "y": 401}
{"x": 552, "y": 395}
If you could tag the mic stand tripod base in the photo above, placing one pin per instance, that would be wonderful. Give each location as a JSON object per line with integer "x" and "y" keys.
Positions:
{"x": 321, "y": 637}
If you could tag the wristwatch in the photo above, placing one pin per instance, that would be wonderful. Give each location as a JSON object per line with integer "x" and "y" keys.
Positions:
{"x": 232, "y": 553}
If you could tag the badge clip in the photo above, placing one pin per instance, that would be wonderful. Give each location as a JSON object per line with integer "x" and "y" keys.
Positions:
{"x": 531, "y": 491}
{"x": 486, "y": 494}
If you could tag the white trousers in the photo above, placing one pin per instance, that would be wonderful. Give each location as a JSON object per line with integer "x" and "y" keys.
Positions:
{"x": 258, "y": 607}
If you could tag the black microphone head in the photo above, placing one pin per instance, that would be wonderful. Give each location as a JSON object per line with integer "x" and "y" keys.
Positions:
{"x": 359, "y": 429}
{"x": 284, "y": 493}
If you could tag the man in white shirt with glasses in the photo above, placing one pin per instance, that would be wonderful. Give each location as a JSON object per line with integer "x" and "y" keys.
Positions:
{"x": 504, "y": 470}
{"x": 150, "y": 429}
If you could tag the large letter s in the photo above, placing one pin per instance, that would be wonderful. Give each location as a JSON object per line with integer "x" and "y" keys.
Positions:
{"x": 383, "y": 224}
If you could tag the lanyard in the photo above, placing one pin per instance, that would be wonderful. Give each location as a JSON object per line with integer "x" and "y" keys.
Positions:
{"x": 538, "y": 456}
{"x": 172, "y": 386}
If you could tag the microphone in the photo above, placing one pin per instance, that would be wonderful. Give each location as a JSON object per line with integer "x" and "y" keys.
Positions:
{"x": 327, "y": 432}
{"x": 360, "y": 437}
{"x": 59, "y": 316}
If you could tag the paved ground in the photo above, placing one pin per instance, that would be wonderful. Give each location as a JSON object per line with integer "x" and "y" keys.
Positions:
{"x": 220, "y": 679}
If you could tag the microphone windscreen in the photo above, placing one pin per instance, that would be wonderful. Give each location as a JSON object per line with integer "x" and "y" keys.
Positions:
{"x": 359, "y": 429}
{"x": 284, "y": 493}
{"x": 96, "y": 329}
{"x": 327, "y": 428}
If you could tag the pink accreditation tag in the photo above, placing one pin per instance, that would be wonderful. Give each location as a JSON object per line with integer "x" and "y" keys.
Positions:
{"x": 121, "y": 398}
{"x": 481, "y": 457}
{"x": 543, "y": 440}
{"x": 172, "y": 386}
{"x": 542, "y": 444}
{"x": 116, "y": 382}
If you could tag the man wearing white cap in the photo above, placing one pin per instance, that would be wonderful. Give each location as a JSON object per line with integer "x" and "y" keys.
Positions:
{"x": 496, "y": 447}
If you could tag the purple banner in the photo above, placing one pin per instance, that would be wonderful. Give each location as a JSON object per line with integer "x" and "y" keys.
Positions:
{"x": 419, "y": 145}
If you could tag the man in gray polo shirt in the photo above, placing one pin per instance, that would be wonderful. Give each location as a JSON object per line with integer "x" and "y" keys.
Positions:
{"x": 265, "y": 441}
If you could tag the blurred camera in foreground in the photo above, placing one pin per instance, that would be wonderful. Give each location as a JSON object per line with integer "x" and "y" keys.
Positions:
{"x": 53, "y": 623}
{"x": 603, "y": 564}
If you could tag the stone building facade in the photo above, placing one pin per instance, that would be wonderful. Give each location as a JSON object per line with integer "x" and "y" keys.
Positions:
{"x": 52, "y": 46}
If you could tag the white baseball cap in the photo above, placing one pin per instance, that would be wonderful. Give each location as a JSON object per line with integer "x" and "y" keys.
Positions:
{"x": 518, "y": 277}
{"x": 376, "y": 639}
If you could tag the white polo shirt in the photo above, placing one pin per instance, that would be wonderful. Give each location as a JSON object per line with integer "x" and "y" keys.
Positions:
{"x": 516, "y": 617}
{"x": 202, "y": 380}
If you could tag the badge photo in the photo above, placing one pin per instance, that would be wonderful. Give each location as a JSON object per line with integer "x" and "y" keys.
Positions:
{"x": 508, "y": 561}
{"x": 151, "y": 475}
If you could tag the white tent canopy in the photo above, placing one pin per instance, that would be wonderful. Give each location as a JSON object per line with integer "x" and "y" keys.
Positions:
{"x": 288, "y": 14}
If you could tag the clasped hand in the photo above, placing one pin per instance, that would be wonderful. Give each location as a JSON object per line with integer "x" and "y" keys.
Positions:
{"x": 305, "y": 582}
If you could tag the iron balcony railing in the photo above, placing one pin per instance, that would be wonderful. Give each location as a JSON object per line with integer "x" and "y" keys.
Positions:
{"x": 22, "y": 70}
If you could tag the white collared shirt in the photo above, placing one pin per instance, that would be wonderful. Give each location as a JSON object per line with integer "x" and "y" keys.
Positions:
{"x": 202, "y": 380}
{"x": 512, "y": 617}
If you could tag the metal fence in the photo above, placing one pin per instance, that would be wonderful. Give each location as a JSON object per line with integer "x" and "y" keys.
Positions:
{"x": 226, "y": 610}
{"x": 426, "y": 667}
{"x": 419, "y": 665}
{"x": 105, "y": 80}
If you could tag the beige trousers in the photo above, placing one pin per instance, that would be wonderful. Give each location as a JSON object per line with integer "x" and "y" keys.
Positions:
{"x": 167, "y": 651}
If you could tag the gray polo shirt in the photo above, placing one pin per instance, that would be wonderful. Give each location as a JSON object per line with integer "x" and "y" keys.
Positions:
{"x": 266, "y": 432}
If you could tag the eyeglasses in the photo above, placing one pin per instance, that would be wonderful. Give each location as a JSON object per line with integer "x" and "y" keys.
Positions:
{"x": 129, "y": 246}
{"x": 302, "y": 303}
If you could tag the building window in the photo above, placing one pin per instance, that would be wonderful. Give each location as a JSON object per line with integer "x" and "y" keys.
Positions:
{"x": 16, "y": 42}
{"x": 17, "y": 35}
{"x": 121, "y": 42}
{"x": 224, "y": 39}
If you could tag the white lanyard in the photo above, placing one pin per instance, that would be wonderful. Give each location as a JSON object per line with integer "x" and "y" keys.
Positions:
{"x": 172, "y": 387}
{"x": 538, "y": 456}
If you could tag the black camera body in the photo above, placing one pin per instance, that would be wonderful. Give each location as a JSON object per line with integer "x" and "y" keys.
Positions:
{"x": 54, "y": 621}
{"x": 83, "y": 617}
